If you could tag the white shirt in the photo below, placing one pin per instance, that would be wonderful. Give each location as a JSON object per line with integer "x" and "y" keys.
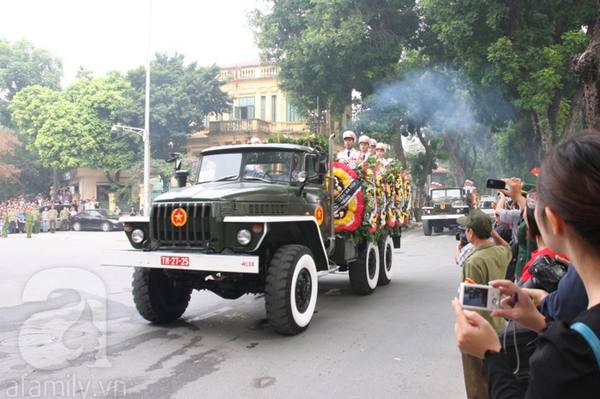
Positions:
{"x": 351, "y": 157}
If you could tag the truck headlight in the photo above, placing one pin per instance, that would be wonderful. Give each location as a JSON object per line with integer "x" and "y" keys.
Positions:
{"x": 459, "y": 210}
{"x": 137, "y": 236}
{"x": 244, "y": 237}
{"x": 428, "y": 211}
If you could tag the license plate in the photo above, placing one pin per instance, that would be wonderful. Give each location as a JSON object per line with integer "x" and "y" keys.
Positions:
{"x": 175, "y": 260}
{"x": 443, "y": 216}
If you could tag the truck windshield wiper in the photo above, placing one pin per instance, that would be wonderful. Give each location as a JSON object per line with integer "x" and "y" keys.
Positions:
{"x": 226, "y": 177}
{"x": 258, "y": 178}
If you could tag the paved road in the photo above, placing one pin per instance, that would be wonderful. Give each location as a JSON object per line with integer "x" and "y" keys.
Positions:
{"x": 70, "y": 327}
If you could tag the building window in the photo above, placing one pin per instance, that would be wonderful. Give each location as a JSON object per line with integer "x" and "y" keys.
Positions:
{"x": 263, "y": 108}
{"x": 292, "y": 113}
{"x": 245, "y": 108}
{"x": 273, "y": 108}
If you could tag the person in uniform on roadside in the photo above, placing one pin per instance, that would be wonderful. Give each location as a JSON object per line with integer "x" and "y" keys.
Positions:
{"x": 29, "y": 221}
{"x": 4, "y": 223}
{"x": 363, "y": 143}
{"x": 64, "y": 219}
{"x": 12, "y": 221}
{"x": 36, "y": 219}
{"x": 349, "y": 155}
{"x": 52, "y": 216}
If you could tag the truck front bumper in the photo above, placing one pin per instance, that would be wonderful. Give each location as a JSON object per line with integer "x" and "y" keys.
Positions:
{"x": 442, "y": 217}
{"x": 181, "y": 260}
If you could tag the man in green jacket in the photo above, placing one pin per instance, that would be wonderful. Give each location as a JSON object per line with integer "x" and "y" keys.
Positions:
{"x": 29, "y": 221}
{"x": 4, "y": 223}
{"x": 52, "y": 216}
{"x": 64, "y": 219}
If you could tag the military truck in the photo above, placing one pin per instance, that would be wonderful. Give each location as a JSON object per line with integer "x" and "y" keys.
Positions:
{"x": 259, "y": 219}
{"x": 443, "y": 206}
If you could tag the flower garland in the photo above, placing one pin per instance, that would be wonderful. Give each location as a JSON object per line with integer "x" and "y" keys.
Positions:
{"x": 350, "y": 217}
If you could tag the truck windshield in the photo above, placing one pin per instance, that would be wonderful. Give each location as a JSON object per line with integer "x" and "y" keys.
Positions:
{"x": 218, "y": 166}
{"x": 272, "y": 165}
{"x": 453, "y": 193}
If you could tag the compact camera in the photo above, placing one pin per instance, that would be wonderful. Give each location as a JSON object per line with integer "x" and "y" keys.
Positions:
{"x": 461, "y": 235}
{"x": 479, "y": 297}
{"x": 496, "y": 184}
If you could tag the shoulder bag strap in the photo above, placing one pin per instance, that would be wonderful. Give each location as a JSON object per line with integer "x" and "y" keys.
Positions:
{"x": 590, "y": 337}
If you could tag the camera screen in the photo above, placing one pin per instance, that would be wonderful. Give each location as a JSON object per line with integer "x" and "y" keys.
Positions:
{"x": 475, "y": 296}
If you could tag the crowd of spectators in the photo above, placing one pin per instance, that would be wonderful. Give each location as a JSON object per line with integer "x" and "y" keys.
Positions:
{"x": 14, "y": 212}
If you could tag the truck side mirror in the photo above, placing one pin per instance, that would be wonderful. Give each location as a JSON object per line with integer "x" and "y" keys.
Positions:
{"x": 181, "y": 176}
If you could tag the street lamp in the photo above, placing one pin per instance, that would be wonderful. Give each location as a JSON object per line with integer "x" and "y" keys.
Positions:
{"x": 143, "y": 133}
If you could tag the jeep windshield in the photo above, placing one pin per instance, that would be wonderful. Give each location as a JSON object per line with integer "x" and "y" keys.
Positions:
{"x": 269, "y": 166}
{"x": 449, "y": 193}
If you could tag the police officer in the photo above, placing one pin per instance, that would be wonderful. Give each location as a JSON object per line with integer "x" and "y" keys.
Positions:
{"x": 349, "y": 155}
{"x": 29, "y": 221}
{"x": 64, "y": 217}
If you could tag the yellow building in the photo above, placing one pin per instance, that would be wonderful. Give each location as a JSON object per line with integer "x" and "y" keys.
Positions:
{"x": 260, "y": 109}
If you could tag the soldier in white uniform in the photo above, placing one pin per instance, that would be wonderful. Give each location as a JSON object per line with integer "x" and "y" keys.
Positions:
{"x": 363, "y": 143}
{"x": 349, "y": 155}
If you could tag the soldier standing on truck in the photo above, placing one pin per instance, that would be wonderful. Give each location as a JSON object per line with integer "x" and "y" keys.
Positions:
{"x": 349, "y": 155}
{"x": 363, "y": 143}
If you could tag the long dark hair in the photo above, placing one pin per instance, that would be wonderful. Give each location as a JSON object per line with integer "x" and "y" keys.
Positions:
{"x": 569, "y": 184}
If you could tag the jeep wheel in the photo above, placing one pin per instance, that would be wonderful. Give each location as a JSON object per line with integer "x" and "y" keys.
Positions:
{"x": 386, "y": 260}
{"x": 158, "y": 297}
{"x": 438, "y": 229}
{"x": 364, "y": 273}
{"x": 426, "y": 228}
{"x": 291, "y": 289}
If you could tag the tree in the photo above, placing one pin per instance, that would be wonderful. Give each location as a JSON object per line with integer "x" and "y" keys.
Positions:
{"x": 587, "y": 66}
{"x": 8, "y": 143}
{"x": 180, "y": 98}
{"x": 325, "y": 49}
{"x": 524, "y": 46}
{"x": 72, "y": 128}
{"x": 23, "y": 65}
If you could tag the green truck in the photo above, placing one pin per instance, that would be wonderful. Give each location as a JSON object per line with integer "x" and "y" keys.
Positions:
{"x": 443, "y": 206}
{"x": 259, "y": 219}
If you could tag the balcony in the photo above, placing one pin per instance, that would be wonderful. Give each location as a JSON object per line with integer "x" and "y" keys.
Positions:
{"x": 256, "y": 126}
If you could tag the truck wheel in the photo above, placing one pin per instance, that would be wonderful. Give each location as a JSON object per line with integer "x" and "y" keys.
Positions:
{"x": 158, "y": 297}
{"x": 438, "y": 229}
{"x": 386, "y": 260}
{"x": 291, "y": 289}
{"x": 364, "y": 273}
{"x": 426, "y": 228}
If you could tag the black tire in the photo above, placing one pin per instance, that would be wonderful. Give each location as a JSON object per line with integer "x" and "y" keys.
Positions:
{"x": 77, "y": 226}
{"x": 438, "y": 229}
{"x": 158, "y": 297}
{"x": 386, "y": 260}
{"x": 105, "y": 226}
{"x": 291, "y": 289}
{"x": 426, "y": 228}
{"x": 364, "y": 273}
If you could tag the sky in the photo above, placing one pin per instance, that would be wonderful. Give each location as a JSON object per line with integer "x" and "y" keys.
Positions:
{"x": 106, "y": 35}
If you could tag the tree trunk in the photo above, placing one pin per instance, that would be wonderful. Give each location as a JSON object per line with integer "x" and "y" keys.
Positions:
{"x": 399, "y": 150}
{"x": 457, "y": 168}
{"x": 586, "y": 66}
{"x": 574, "y": 112}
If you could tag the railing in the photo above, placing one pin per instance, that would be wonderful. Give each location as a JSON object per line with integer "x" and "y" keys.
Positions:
{"x": 260, "y": 126}
{"x": 249, "y": 73}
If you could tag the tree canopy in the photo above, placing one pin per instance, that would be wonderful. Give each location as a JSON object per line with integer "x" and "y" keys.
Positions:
{"x": 22, "y": 65}
{"x": 181, "y": 96}
{"x": 327, "y": 49}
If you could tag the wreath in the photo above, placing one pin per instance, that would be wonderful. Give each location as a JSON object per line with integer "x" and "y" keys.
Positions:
{"x": 348, "y": 201}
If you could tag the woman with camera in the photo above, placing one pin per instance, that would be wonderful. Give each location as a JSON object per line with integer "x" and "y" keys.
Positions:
{"x": 564, "y": 363}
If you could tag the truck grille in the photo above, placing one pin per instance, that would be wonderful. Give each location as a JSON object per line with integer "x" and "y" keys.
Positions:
{"x": 267, "y": 209}
{"x": 194, "y": 233}
{"x": 447, "y": 208}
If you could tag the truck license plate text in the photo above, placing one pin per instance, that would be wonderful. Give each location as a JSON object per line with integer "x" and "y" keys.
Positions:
{"x": 175, "y": 260}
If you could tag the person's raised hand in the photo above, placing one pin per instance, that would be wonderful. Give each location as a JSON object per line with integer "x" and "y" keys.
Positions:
{"x": 518, "y": 306}
{"x": 474, "y": 335}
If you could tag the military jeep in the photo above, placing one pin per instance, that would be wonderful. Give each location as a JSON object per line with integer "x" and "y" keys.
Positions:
{"x": 443, "y": 207}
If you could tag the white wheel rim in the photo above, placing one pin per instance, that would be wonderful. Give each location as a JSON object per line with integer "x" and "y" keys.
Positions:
{"x": 372, "y": 252}
{"x": 302, "y": 319}
{"x": 388, "y": 248}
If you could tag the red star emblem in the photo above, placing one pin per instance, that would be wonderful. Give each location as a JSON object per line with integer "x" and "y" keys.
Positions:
{"x": 179, "y": 217}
